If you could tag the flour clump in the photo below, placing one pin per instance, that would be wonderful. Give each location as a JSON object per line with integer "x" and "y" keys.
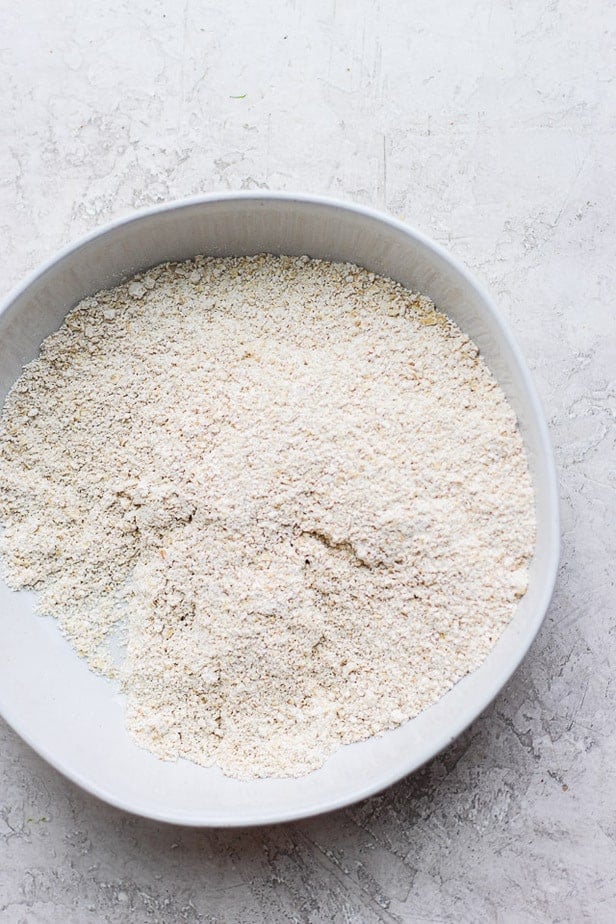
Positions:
{"x": 283, "y": 501}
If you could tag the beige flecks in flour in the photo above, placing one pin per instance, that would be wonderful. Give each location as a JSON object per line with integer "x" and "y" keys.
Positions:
{"x": 294, "y": 487}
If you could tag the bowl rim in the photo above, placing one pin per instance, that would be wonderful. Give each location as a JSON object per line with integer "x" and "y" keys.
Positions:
{"x": 551, "y": 514}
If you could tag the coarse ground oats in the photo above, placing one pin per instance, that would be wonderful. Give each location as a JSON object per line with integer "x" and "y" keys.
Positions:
{"x": 292, "y": 487}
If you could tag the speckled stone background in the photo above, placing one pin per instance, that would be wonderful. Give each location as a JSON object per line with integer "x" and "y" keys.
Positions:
{"x": 489, "y": 124}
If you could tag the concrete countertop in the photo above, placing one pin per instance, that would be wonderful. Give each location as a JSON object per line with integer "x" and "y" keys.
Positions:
{"x": 489, "y": 125}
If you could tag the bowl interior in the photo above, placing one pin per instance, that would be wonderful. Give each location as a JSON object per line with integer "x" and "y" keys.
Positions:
{"x": 74, "y": 718}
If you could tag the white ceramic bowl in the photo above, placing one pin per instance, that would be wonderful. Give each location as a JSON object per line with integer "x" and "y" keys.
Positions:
{"x": 75, "y": 719}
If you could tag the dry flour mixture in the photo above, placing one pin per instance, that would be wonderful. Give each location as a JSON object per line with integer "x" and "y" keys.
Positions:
{"x": 290, "y": 491}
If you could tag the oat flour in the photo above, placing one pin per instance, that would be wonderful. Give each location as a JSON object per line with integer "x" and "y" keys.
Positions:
{"x": 291, "y": 486}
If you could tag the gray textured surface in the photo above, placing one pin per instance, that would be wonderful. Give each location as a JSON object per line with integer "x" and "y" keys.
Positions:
{"x": 490, "y": 125}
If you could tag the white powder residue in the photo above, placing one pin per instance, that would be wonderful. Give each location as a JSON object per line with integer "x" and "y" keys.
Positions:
{"x": 293, "y": 485}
